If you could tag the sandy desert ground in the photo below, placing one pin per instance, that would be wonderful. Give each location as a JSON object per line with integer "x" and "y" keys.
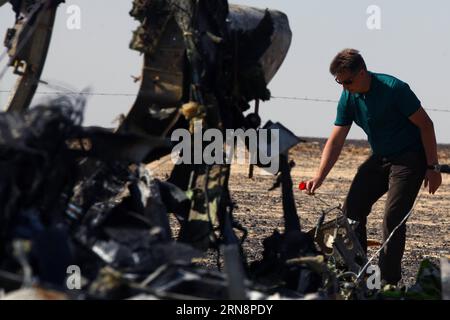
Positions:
{"x": 260, "y": 210}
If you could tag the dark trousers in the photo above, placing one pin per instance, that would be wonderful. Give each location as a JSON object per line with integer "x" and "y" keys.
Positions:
{"x": 401, "y": 177}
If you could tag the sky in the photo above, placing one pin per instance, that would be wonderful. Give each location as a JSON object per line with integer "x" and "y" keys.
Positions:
{"x": 407, "y": 39}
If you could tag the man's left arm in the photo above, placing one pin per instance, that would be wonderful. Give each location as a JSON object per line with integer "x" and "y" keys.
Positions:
{"x": 421, "y": 119}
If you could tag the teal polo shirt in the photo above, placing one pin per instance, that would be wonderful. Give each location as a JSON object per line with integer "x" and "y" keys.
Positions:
{"x": 383, "y": 114}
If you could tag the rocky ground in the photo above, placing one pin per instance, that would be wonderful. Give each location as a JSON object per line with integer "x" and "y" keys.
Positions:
{"x": 260, "y": 210}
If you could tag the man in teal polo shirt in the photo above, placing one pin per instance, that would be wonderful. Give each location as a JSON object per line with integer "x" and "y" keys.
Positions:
{"x": 404, "y": 152}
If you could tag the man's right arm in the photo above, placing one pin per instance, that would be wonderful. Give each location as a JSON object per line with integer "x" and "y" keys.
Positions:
{"x": 330, "y": 155}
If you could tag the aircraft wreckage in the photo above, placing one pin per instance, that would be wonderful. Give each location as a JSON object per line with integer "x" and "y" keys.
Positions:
{"x": 81, "y": 197}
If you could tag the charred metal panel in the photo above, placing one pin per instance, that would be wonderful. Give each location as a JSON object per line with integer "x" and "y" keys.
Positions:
{"x": 160, "y": 39}
{"x": 28, "y": 44}
{"x": 247, "y": 18}
{"x": 161, "y": 80}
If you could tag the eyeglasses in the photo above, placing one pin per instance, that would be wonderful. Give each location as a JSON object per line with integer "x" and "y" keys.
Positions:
{"x": 348, "y": 81}
{"x": 345, "y": 82}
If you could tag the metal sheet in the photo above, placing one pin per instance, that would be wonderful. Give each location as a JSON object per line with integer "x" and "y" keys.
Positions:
{"x": 247, "y": 18}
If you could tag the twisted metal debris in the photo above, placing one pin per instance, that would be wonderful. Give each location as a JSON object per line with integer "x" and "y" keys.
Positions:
{"x": 77, "y": 196}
